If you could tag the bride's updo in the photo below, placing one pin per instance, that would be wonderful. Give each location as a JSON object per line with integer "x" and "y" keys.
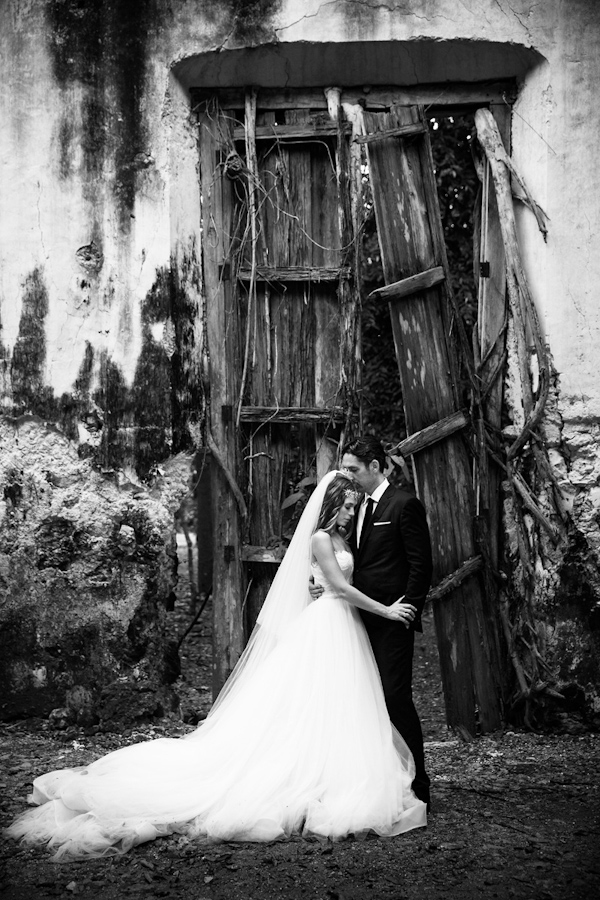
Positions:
{"x": 340, "y": 487}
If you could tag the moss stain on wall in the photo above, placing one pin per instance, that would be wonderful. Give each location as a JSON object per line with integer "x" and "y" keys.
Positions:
{"x": 104, "y": 47}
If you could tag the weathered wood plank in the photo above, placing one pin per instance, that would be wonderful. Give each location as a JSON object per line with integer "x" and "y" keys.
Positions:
{"x": 378, "y": 98}
{"x": 223, "y": 341}
{"x": 439, "y": 431}
{"x": 295, "y": 273}
{"x": 292, "y": 414}
{"x": 520, "y": 299}
{"x": 491, "y": 333}
{"x": 409, "y": 286}
{"x": 400, "y": 132}
{"x": 455, "y": 579}
{"x": 411, "y": 240}
{"x": 313, "y": 129}
{"x": 349, "y": 182}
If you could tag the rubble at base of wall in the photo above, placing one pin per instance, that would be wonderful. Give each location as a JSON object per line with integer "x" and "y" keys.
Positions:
{"x": 87, "y": 571}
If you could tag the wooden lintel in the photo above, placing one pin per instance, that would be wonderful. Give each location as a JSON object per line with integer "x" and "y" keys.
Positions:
{"x": 409, "y": 286}
{"x": 295, "y": 273}
{"x": 433, "y": 433}
{"x": 400, "y": 132}
{"x": 452, "y": 581}
{"x": 306, "y": 132}
{"x": 251, "y": 553}
{"x": 436, "y": 97}
{"x": 282, "y": 414}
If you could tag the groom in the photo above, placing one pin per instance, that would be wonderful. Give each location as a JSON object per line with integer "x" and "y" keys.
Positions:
{"x": 392, "y": 559}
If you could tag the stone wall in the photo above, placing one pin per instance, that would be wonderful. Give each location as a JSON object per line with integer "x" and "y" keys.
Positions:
{"x": 101, "y": 344}
{"x": 86, "y": 574}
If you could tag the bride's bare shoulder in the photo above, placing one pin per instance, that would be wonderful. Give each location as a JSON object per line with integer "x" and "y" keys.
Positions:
{"x": 321, "y": 540}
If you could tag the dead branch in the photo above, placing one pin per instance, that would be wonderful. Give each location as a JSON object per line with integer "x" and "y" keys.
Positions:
{"x": 250, "y": 157}
{"x": 217, "y": 456}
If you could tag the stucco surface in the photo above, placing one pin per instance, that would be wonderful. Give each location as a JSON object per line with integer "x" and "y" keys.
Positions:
{"x": 60, "y": 205}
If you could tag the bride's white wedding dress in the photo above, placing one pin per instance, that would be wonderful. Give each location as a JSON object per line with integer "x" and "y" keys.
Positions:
{"x": 304, "y": 745}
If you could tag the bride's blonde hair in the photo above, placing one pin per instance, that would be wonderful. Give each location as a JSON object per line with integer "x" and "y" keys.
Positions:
{"x": 335, "y": 496}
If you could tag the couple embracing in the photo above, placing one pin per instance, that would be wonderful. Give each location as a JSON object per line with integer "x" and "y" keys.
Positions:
{"x": 392, "y": 562}
{"x": 315, "y": 731}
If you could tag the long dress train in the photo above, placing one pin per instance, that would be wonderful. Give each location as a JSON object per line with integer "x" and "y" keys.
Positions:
{"x": 304, "y": 746}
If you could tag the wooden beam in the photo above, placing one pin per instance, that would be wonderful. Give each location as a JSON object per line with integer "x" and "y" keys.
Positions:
{"x": 311, "y": 130}
{"x": 454, "y": 579}
{"x": 408, "y": 286}
{"x": 433, "y": 433}
{"x": 491, "y": 333}
{"x": 524, "y": 314}
{"x": 295, "y": 273}
{"x": 222, "y": 319}
{"x": 282, "y": 414}
{"x": 436, "y": 97}
{"x": 402, "y": 131}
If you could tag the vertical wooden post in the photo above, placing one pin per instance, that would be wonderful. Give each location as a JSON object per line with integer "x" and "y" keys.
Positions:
{"x": 349, "y": 255}
{"x": 223, "y": 343}
{"x": 491, "y": 337}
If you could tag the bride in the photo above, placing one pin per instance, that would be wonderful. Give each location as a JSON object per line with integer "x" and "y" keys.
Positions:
{"x": 298, "y": 742}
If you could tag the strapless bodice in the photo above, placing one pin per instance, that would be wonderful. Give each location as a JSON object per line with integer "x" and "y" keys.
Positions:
{"x": 346, "y": 564}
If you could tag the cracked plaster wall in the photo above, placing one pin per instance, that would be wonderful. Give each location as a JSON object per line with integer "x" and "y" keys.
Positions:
{"x": 100, "y": 331}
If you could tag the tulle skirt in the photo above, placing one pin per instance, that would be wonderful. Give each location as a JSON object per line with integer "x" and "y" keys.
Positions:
{"x": 305, "y": 746}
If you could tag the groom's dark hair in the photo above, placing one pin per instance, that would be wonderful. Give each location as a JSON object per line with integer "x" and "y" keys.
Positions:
{"x": 367, "y": 448}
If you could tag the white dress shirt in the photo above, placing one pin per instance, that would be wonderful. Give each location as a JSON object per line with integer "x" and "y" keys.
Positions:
{"x": 375, "y": 497}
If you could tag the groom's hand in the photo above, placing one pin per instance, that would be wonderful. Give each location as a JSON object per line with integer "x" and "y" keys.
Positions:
{"x": 315, "y": 590}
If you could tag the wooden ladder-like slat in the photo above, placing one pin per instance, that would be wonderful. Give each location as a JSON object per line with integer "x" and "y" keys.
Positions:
{"x": 295, "y": 273}
{"x": 304, "y": 132}
{"x": 292, "y": 414}
{"x": 430, "y": 435}
{"x": 409, "y": 286}
{"x": 402, "y": 131}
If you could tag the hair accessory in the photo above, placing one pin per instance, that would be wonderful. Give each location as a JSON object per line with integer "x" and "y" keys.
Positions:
{"x": 350, "y": 492}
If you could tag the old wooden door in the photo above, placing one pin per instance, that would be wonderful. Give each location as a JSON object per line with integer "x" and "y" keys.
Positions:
{"x": 425, "y": 326}
{"x": 279, "y": 264}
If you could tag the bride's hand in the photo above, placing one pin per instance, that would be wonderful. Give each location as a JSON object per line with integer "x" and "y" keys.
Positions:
{"x": 401, "y": 612}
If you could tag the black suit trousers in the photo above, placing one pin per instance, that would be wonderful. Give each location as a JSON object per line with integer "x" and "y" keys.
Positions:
{"x": 393, "y": 648}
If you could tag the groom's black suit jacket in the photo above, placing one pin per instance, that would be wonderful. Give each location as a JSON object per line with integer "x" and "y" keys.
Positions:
{"x": 394, "y": 556}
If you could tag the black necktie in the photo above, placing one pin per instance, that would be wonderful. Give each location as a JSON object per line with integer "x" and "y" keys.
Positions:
{"x": 367, "y": 518}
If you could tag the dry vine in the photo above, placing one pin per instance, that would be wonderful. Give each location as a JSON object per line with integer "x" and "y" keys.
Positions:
{"x": 521, "y": 455}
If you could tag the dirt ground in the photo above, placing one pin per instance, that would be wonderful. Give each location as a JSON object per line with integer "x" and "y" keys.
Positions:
{"x": 515, "y": 815}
